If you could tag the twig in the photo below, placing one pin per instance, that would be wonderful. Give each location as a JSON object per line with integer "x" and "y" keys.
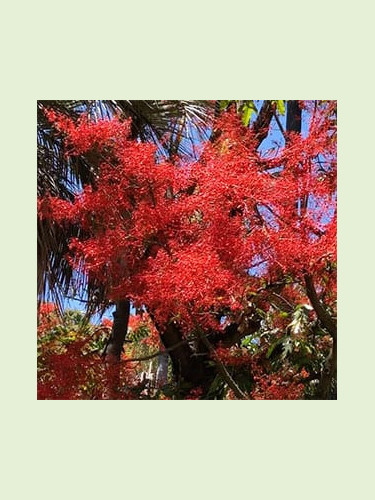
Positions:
{"x": 223, "y": 371}
{"x": 290, "y": 306}
{"x": 279, "y": 124}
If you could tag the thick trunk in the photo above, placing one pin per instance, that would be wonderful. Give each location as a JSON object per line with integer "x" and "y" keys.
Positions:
{"x": 112, "y": 353}
{"x": 191, "y": 367}
{"x": 325, "y": 389}
{"x": 190, "y": 371}
{"x": 119, "y": 330}
{"x": 330, "y": 370}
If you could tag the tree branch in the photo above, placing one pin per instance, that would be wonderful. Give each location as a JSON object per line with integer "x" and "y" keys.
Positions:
{"x": 223, "y": 371}
{"x": 322, "y": 313}
{"x": 279, "y": 124}
{"x": 263, "y": 120}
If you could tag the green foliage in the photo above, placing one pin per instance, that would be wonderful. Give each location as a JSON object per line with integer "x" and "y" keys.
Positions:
{"x": 245, "y": 108}
{"x": 251, "y": 342}
{"x": 217, "y": 388}
{"x": 72, "y": 327}
{"x": 300, "y": 322}
{"x": 224, "y": 105}
{"x": 280, "y": 106}
{"x": 141, "y": 332}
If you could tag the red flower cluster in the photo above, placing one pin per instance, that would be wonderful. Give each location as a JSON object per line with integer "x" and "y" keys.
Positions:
{"x": 107, "y": 323}
{"x": 274, "y": 386}
{"x": 233, "y": 356}
{"x": 46, "y": 308}
{"x": 182, "y": 240}
{"x": 47, "y": 318}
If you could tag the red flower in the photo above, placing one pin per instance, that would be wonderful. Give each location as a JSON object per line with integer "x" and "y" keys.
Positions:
{"x": 46, "y": 308}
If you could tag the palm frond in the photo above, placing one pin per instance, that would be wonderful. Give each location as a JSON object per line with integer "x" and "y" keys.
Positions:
{"x": 176, "y": 121}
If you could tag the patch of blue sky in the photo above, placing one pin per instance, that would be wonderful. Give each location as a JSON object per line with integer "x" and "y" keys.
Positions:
{"x": 324, "y": 163}
{"x": 258, "y": 269}
{"x": 192, "y": 140}
{"x": 321, "y": 209}
{"x": 80, "y": 305}
{"x": 275, "y": 139}
{"x": 268, "y": 216}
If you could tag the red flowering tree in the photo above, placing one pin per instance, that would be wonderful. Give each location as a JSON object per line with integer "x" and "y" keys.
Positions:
{"x": 233, "y": 256}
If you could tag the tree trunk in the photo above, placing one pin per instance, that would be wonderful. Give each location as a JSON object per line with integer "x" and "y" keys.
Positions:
{"x": 324, "y": 390}
{"x": 330, "y": 370}
{"x": 190, "y": 371}
{"x": 113, "y": 350}
{"x": 293, "y": 117}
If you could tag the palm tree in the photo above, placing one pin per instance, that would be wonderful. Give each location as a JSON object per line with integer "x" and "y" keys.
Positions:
{"x": 57, "y": 176}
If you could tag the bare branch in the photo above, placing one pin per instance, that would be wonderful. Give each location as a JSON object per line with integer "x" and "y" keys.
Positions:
{"x": 279, "y": 124}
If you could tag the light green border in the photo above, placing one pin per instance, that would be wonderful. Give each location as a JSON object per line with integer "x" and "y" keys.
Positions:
{"x": 183, "y": 449}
